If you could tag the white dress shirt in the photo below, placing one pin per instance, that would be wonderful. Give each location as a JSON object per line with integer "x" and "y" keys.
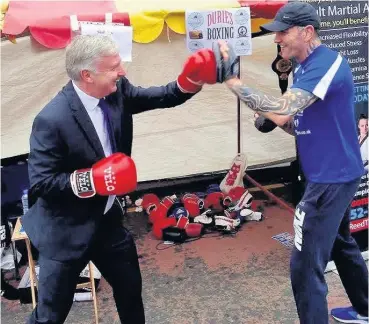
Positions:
{"x": 97, "y": 118}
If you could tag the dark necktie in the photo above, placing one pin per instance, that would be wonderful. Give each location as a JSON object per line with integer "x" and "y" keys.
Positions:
{"x": 107, "y": 120}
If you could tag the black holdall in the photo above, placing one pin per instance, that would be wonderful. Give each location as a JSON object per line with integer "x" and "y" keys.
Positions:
{"x": 174, "y": 234}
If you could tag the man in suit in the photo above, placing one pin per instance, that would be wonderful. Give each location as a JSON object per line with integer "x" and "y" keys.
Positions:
{"x": 85, "y": 123}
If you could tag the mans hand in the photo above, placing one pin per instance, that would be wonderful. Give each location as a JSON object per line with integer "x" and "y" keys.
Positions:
{"x": 199, "y": 68}
{"x": 263, "y": 124}
{"x": 114, "y": 175}
{"x": 227, "y": 63}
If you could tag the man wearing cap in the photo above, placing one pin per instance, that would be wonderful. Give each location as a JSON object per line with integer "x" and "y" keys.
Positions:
{"x": 319, "y": 110}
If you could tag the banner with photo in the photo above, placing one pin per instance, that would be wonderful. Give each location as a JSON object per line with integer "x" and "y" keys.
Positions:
{"x": 345, "y": 29}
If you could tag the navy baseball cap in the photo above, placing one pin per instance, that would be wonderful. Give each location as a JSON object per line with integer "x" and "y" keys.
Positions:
{"x": 296, "y": 13}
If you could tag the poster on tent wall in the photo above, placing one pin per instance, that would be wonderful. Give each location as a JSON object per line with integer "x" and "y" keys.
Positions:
{"x": 345, "y": 29}
{"x": 120, "y": 33}
{"x": 203, "y": 28}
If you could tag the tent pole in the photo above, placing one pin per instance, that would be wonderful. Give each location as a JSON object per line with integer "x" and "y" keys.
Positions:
{"x": 271, "y": 196}
{"x": 239, "y": 135}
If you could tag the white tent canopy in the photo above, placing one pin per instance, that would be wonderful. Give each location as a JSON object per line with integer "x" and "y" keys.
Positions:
{"x": 197, "y": 137}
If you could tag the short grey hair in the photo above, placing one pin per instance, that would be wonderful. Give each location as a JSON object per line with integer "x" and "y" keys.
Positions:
{"x": 84, "y": 50}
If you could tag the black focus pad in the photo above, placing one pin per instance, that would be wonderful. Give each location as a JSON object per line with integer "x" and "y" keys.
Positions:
{"x": 226, "y": 69}
{"x": 264, "y": 125}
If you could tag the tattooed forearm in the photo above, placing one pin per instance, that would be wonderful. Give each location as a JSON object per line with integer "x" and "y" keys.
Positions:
{"x": 293, "y": 101}
{"x": 289, "y": 127}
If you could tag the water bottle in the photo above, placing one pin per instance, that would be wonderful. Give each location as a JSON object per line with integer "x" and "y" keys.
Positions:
{"x": 25, "y": 201}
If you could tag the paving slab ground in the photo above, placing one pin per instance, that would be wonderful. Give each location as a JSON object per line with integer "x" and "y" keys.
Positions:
{"x": 241, "y": 279}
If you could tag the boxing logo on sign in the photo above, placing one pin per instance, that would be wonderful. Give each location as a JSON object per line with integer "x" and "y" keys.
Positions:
{"x": 233, "y": 173}
{"x": 109, "y": 177}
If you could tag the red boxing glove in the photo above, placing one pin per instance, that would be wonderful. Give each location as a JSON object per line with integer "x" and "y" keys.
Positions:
{"x": 214, "y": 201}
{"x": 182, "y": 222}
{"x": 199, "y": 68}
{"x": 234, "y": 196}
{"x": 169, "y": 229}
{"x": 167, "y": 202}
{"x": 193, "y": 204}
{"x": 194, "y": 230}
{"x": 191, "y": 229}
{"x": 161, "y": 210}
{"x": 150, "y": 202}
{"x": 160, "y": 225}
{"x": 114, "y": 175}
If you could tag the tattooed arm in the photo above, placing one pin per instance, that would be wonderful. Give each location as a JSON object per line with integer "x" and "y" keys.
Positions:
{"x": 277, "y": 109}
{"x": 289, "y": 127}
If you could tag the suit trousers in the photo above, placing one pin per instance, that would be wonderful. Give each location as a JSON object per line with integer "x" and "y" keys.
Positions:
{"x": 114, "y": 253}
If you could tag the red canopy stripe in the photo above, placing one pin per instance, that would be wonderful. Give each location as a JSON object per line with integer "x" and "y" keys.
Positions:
{"x": 49, "y": 21}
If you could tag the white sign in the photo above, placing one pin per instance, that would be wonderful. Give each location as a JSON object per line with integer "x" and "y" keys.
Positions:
{"x": 204, "y": 27}
{"x": 121, "y": 34}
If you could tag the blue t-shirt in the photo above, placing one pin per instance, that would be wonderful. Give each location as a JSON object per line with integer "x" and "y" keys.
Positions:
{"x": 326, "y": 135}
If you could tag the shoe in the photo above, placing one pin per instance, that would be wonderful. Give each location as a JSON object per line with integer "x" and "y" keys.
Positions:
{"x": 348, "y": 315}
